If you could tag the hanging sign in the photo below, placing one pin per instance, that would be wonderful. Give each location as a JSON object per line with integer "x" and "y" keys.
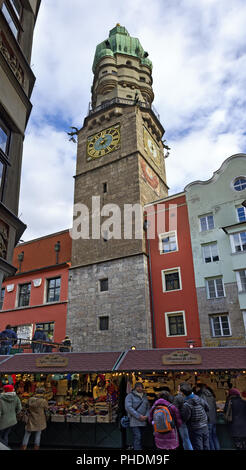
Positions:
{"x": 52, "y": 360}
{"x": 181, "y": 357}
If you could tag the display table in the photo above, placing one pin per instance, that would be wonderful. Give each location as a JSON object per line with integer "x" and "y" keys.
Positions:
{"x": 72, "y": 435}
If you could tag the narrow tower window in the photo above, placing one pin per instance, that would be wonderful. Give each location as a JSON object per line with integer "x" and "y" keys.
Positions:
{"x": 103, "y": 285}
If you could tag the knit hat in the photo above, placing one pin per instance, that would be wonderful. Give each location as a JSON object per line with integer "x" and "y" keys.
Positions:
{"x": 138, "y": 384}
{"x": 8, "y": 388}
{"x": 234, "y": 391}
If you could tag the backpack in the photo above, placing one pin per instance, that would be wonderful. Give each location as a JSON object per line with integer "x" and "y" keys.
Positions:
{"x": 162, "y": 419}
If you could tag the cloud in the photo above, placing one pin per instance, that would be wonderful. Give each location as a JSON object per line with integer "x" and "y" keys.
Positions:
{"x": 46, "y": 200}
{"x": 199, "y": 72}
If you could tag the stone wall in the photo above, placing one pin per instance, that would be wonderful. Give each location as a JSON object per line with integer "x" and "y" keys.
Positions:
{"x": 126, "y": 303}
{"x": 228, "y": 304}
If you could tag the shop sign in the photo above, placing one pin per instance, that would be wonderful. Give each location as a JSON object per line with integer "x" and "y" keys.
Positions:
{"x": 181, "y": 357}
{"x": 52, "y": 360}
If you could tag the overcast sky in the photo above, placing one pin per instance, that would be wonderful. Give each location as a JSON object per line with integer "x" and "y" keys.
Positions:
{"x": 198, "y": 51}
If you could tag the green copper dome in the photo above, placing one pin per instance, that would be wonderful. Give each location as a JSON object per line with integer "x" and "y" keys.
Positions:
{"x": 120, "y": 42}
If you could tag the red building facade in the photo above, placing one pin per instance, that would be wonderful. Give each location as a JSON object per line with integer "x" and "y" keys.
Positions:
{"x": 38, "y": 293}
{"x": 175, "y": 320}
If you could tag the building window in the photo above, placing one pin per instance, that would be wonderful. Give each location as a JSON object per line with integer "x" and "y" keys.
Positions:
{"x": 24, "y": 295}
{"x": 16, "y": 4}
{"x": 142, "y": 79}
{"x": 105, "y": 187}
{"x": 168, "y": 242}
{"x": 244, "y": 320}
{"x": 175, "y": 324}
{"x": 4, "y": 137}
{"x": 103, "y": 285}
{"x": 241, "y": 280}
{"x": 12, "y": 12}
{"x": 238, "y": 242}
{"x": 53, "y": 290}
{"x": 239, "y": 183}
{"x": 103, "y": 323}
{"x": 47, "y": 327}
{"x": 215, "y": 288}
{"x": 2, "y": 297}
{"x": 241, "y": 214}
{"x": 206, "y": 222}
{"x": 220, "y": 325}
{"x": 210, "y": 252}
{"x": 171, "y": 280}
{"x": 4, "y": 150}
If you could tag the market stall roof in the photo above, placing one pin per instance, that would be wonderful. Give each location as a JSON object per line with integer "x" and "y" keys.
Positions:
{"x": 56, "y": 362}
{"x": 184, "y": 359}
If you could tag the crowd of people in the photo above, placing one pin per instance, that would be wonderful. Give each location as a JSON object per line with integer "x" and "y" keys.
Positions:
{"x": 39, "y": 344}
{"x": 186, "y": 420}
{"x": 10, "y": 412}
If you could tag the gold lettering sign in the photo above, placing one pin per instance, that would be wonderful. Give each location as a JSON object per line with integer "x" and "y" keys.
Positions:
{"x": 52, "y": 360}
{"x": 181, "y": 357}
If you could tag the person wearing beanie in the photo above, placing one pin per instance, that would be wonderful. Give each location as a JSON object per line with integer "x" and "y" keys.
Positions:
{"x": 137, "y": 408}
{"x": 10, "y": 406}
{"x": 234, "y": 392}
{"x": 236, "y": 407}
{"x": 37, "y": 405}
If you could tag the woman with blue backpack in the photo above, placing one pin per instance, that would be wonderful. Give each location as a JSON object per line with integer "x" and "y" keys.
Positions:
{"x": 166, "y": 419}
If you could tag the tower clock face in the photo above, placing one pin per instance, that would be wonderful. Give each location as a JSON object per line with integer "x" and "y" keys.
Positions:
{"x": 151, "y": 147}
{"x": 103, "y": 142}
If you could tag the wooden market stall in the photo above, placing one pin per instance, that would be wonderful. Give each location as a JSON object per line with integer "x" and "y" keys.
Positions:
{"x": 86, "y": 391}
{"x": 218, "y": 368}
{"x": 83, "y": 394}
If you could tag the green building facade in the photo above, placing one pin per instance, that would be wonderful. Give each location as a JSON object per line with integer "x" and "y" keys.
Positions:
{"x": 217, "y": 217}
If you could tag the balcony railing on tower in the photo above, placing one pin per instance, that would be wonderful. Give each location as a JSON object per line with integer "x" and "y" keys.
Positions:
{"x": 124, "y": 101}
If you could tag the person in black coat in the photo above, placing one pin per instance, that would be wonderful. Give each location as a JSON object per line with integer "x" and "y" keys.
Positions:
{"x": 237, "y": 426}
{"x": 8, "y": 338}
{"x": 38, "y": 339}
{"x": 207, "y": 394}
{"x": 66, "y": 345}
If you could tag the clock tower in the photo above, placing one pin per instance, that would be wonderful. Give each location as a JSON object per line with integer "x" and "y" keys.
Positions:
{"x": 120, "y": 168}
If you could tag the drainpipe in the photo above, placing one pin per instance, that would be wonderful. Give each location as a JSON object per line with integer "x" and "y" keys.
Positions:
{"x": 145, "y": 227}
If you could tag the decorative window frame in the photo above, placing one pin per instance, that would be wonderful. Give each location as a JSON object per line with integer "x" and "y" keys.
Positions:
{"x": 169, "y": 271}
{"x": 211, "y": 316}
{"x": 233, "y": 184}
{"x": 239, "y": 281}
{"x": 175, "y": 314}
{"x": 166, "y": 234}
{"x": 209, "y": 245}
{"x": 207, "y": 287}
{"x": 240, "y": 206}
{"x": 233, "y": 247}
{"x": 205, "y": 216}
